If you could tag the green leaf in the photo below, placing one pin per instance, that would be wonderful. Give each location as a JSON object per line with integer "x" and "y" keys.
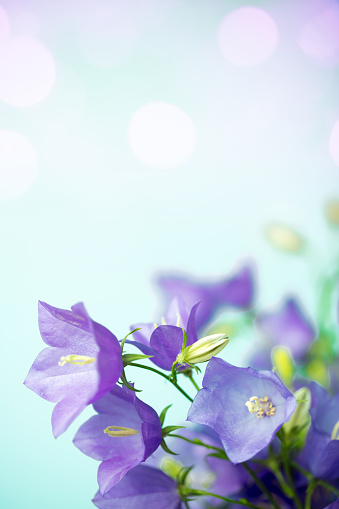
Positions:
{"x": 123, "y": 341}
{"x": 163, "y": 414}
{"x": 127, "y": 358}
{"x": 167, "y": 449}
{"x": 128, "y": 385}
{"x": 182, "y": 476}
{"x": 168, "y": 429}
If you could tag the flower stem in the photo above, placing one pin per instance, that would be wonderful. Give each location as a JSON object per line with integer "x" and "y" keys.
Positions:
{"x": 241, "y": 501}
{"x": 190, "y": 376}
{"x": 199, "y": 442}
{"x": 136, "y": 365}
{"x": 311, "y": 487}
{"x": 260, "y": 485}
{"x": 287, "y": 470}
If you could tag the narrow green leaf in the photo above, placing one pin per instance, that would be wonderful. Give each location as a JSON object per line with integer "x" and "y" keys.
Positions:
{"x": 127, "y": 358}
{"x": 128, "y": 385}
{"x": 168, "y": 429}
{"x": 167, "y": 449}
{"x": 163, "y": 414}
{"x": 123, "y": 341}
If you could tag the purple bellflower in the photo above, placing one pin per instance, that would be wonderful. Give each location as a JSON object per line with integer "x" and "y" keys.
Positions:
{"x": 321, "y": 452}
{"x": 243, "y": 406}
{"x": 164, "y": 342}
{"x": 143, "y": 486}
{"x": 82, "y": 363}
{"x": 125, "y": 432}
{"x": 288, "y": 326}
{"x": 236, "y": 291}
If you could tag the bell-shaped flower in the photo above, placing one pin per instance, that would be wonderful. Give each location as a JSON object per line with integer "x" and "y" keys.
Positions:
{"x": 165, "y": 341}
{"x": 288, "y": 326}
{"x": 143, "y": 486}
{"x": 124, "y": 433}
{"x": 243, "y": 406}
{"x": 82, "y": 363}
{"x": 321, "y": 452}
{"x": 236, "y": 291}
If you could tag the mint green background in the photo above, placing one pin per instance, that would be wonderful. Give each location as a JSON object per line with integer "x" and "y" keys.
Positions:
{"x": 97, "y": 224}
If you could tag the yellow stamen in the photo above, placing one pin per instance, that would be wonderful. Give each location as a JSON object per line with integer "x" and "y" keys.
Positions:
{"x": 120, "y": 431}
{"x": 262, "y": 407}
{"x": 78, "y": 360}
{"x": 335, "y": 432}
{"x": 178, "y": 320}
{"x": 163, "y": 321}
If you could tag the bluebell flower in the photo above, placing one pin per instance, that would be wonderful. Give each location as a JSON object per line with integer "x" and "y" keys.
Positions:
{"x": 125, "y": 433}
{"x": 141, "y": 487}
{"x": 243, "y": 406}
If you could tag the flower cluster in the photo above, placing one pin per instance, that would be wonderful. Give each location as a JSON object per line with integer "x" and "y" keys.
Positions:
{"x": 264, "y": 436}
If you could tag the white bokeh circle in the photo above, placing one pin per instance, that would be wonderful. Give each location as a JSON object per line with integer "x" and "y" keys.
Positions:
{"x": 18, "y": 165}
{"x": 161, "y": 135}
{"x": 247, "y": 36}
{"x": 334, "y": 143}
{"x": 27, "y": 71}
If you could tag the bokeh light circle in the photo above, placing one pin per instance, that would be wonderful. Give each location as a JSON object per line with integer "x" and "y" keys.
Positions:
{"x": 18, "y": 165}
{"x": 4, "y": 25}
{"x": 319, "y": 38}
{"x": 161, "y": 135}
{"x": 27, "y": 71}
{"x": 334, "y": 143}
{"x": 247, "y": 37}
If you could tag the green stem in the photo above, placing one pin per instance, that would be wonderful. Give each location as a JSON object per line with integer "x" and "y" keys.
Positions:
{"x": 287, "y": 471}
{"x": 328, "y": 486}
{"x": 190, "y": 376}
{"x": 311, "y": 487}
{"x": 242, "y": 501}
{"x": 198, "y": 442}
{"x": 136, "y": 365}
{"x": 260, "y": 485}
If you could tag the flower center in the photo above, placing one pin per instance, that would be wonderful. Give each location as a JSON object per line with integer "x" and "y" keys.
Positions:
{"x": 335, "y": 432}
{"x": 120, "y": 431}
{"x": 262, "y": 407}
{"x": 78, "y": 360}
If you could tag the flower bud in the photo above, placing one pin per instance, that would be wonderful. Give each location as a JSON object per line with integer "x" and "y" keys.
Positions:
{"x": 301, "y": 417}
{"x": 284, "y": 238}
{"x": 203, "y": 349}
{"x": 332, "y": 212}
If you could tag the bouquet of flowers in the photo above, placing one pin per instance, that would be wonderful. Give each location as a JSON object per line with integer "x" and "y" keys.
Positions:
{"x": 264, "y": 436}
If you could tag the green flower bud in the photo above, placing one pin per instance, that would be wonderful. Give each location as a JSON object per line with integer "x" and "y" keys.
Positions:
{"x": 203, "y": 349}
{"x": 301, "y": 417}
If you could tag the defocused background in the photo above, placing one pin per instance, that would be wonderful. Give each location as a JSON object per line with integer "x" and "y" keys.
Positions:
{"x": 142, "y": 136}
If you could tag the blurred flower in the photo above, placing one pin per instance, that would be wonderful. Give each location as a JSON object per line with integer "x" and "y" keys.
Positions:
{"x": 209, "y": 472}
{"x": 243, "y": 406}
{"x": 332, "y": 212}
{"x": 283, "y": 364}
{"x": 321, "y": 453}
{"x": 83, "y": 362}
{"x": 284, "y": 238}
{"x": 96, "y": 437}
{"x": 141, "y": 487}
{"x": 237, "y": 291}
{"x": 288, "y": 326}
